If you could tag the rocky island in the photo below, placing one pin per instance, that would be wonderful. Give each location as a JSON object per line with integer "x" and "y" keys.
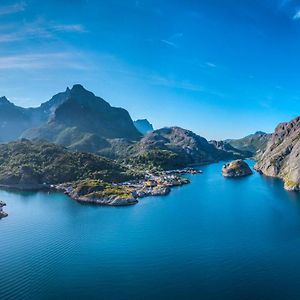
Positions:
{"x": 236, "y": 168}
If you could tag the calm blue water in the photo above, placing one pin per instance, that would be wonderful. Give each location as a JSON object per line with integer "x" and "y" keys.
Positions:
{"x": 213, "y": 239}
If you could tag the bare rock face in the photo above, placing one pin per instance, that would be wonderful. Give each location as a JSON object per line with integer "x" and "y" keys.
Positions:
{"x": 236, "y": 168}
{"x": 282, "y": 156}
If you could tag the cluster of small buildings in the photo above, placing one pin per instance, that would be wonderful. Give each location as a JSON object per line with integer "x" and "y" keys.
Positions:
{"x": 158, "y": 185}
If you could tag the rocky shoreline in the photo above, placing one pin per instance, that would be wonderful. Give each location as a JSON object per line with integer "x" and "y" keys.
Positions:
{"x": 114, "y": 194}
{"x": 127, "y": 193}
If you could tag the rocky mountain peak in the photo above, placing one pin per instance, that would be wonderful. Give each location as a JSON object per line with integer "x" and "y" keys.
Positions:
{"x": 143, "y": 126}
{"x": 260, "y": 133}
{"x": 4, "y": 100}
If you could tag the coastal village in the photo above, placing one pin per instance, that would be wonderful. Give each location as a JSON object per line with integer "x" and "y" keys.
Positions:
{"x": 126, "y": 193}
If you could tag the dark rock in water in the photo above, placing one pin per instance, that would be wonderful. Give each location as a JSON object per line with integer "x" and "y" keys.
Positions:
{"x": 2, "y": 213}
{"x": 236, "y": 168}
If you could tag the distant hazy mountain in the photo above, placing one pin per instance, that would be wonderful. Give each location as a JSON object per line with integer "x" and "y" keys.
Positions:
{"x": 84, "y": 122}
{"x": 143, "y": 126}
{"x": 225, "y": 146}
{"x": 251, "y": 143}
{"x": 13, "y": 120}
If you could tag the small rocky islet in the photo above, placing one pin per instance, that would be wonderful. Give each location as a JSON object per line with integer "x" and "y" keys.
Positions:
{"x": 236, "y": 168}
{"x": 2, "y": 213}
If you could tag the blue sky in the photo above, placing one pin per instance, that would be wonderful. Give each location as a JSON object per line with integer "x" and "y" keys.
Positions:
{"x": 220, "y": 68}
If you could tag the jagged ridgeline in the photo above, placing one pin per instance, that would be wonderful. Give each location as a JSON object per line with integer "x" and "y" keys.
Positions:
{"x": 81, "y": 121}
{"x": 85, "y": 122}
{"x": 253, "y": 143}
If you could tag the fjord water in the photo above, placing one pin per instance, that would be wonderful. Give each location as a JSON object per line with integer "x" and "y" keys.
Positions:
{"x": 213, "y": 239}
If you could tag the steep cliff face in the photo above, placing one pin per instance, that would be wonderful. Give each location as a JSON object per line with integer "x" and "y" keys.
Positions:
{"x": 281, "y": 157}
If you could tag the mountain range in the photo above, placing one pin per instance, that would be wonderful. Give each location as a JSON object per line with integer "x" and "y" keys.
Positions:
{"x": 81, "y": 121}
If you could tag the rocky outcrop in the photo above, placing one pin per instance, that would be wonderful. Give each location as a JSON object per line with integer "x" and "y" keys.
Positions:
{"x": 236, "y": 168}
{"x": 143, "y": 126}
{"x": 282, "y": 156}
{"x": 2, "y": 213}
{"x": 110, "y": 201}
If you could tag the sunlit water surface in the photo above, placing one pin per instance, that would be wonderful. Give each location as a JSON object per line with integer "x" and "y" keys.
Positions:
{"x": 213, "y": 239}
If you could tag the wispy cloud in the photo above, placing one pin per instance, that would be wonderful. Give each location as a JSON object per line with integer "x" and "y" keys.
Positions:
{"x": 169, "y": 43}
{"x": 211, "y": 65}
{"x": 12, "y": 9}
{"x": 38, "y": 29}
{"x": 70, "y": 28}
{"x": 170, "y": 83}
{"x": 40, "y": 61}
{"x": 173, "y": 40}
{"x": 296, "y": 15}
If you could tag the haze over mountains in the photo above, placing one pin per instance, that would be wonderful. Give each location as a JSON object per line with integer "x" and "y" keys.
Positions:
{"x": 81, "y": 121}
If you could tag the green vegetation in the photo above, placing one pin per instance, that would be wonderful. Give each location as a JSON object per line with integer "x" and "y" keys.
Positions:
{"x": 100, "y": 189}
{"x": 41, "y": 162}
{"x": 290, "y": 183}
{"x": 158, "y": 159}
{"x": 251, "y": 143}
